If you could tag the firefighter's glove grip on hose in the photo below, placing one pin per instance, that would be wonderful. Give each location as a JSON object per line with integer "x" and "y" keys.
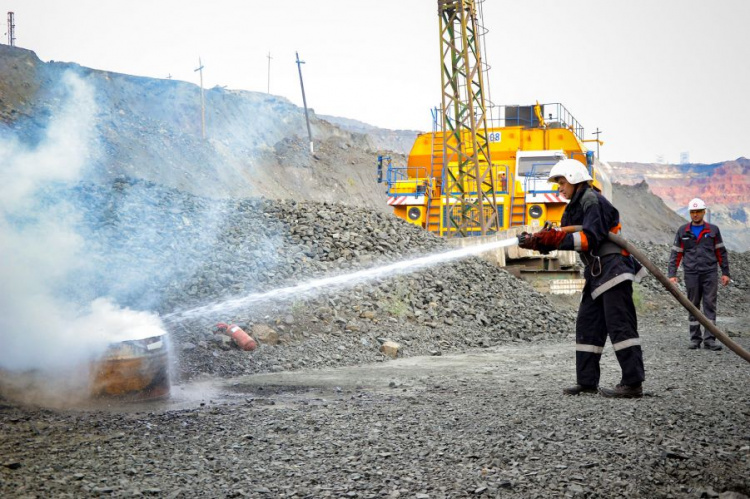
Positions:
{"x": 531, "y": 242}
{"x": 543, "y": 241}
{"x": 526, "y": 241}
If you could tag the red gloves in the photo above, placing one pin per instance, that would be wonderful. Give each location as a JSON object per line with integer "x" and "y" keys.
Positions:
{"x": 528, "y": 241}
{"x": 551, "y": 238}
{"x": 543, "y": 241}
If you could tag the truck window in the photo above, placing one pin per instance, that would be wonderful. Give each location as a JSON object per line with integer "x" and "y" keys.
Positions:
{"x": 540, "y": 166}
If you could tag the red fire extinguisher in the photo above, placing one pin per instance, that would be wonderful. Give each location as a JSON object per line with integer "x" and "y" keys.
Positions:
{"x": 240, "y": 337}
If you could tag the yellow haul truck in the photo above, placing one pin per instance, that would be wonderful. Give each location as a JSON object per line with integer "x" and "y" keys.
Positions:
{"x": 522, "y": 152}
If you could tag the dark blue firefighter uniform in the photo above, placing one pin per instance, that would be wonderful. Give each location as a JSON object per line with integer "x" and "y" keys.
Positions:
{"x": 607, "y": 307}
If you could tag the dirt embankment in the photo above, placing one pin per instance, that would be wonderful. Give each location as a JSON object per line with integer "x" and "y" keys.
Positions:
{"x": 644, "y": 216}
{"x": 256, "y": 144}
{"x": 726, "y": 183}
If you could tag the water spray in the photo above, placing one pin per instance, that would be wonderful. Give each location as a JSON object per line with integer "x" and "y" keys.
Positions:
{"x": 344, "y": 280}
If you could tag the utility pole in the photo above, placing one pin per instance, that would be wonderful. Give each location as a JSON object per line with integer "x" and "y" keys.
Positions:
{"x": 203, "y": 102}
{"x": 269, "y": 72}
{"x": 11, "y": 29}
{"x": 597, "y": 132}
{"x": 304, "y": 102}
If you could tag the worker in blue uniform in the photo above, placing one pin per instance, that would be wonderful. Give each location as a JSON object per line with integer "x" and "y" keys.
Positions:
{"x": 698, "y": 245}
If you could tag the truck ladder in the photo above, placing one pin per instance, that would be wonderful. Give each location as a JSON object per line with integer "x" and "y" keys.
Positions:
{"x": 438, "y": 141}
{"x": 434, "y": 203}
{"x": 518, "y": 210}
{"x": 433, "y": 212}
{"x": 438, "y": 144}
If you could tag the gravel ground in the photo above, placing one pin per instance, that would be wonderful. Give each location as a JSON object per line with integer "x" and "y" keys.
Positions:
{"x": 472, "y": 407}
{"x": 490, "y": 423}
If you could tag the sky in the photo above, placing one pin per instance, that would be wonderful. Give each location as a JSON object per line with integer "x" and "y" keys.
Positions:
{"x": 661, "y": 79}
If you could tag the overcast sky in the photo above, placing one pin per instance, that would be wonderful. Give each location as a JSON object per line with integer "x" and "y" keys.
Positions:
{"x": 660, "y": 78}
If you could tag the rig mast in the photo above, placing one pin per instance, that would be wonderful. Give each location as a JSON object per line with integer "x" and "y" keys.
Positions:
{"x": 470, "y": 185}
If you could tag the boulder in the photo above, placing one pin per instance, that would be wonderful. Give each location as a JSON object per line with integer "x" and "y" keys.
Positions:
{"x": 266, "y": 335}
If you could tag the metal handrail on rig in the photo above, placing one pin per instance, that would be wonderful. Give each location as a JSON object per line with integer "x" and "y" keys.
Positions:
{"x": 400, "y": 174}
{"x": 554, "y": 115}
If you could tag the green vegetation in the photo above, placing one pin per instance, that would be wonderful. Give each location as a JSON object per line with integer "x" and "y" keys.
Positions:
{"x": 638, "y": 300}
{"x": 397, "y": 304}
{"x": 297, "y": 310}
{"x": 396, "y": 307}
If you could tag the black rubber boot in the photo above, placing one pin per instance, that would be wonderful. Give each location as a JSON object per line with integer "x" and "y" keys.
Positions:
{"x": 622, "y": 392}
{"x": 710, "y": 345}
{"x": 578, "y": 389}
{"x": 694, "y": 345}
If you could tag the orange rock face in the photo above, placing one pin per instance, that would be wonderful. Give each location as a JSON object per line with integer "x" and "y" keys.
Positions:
{"x": 725, "y": 184}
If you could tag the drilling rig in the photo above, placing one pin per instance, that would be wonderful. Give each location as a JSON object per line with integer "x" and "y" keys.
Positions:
{"x": 483, "y": 169}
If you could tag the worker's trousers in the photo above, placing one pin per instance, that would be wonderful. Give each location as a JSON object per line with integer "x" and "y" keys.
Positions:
{"x": 702, "y": 288}
{"x": 611, "y": 314}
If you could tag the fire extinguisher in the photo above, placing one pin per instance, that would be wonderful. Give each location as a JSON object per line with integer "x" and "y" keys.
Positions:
{"x": 240, "y": 337}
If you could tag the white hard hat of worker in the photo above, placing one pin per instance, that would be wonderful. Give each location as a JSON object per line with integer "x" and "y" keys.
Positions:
{"x": 573, "y": 171}
{"x": 696, "y": 204}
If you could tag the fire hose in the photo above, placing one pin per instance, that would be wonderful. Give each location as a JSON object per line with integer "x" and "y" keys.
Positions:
{"x": 672, "y": 288}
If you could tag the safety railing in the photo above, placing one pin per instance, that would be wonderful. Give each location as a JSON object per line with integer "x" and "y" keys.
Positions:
{"x": 407, "y": 186}
{"x": 554, "y": 115}
{"x": 587, "y": 158}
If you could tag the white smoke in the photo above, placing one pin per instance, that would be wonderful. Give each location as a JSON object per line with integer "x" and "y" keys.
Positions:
{"x": 40, "y": 250}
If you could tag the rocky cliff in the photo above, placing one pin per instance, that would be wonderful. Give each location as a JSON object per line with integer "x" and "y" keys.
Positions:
{"x": 724, "y": 186}
{"x": 400, "y": 141}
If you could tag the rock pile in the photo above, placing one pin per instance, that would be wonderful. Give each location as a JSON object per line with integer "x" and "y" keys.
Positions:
{"x": 163, "y": 250}
{"x": 168, "y": 251}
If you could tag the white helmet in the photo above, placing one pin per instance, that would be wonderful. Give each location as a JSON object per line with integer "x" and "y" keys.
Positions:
{"x": 573, "y": 171}
{"x": 696, "y": 204}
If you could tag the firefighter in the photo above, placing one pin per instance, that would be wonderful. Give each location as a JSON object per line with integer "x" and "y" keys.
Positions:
{"x": 607, "y": 307}
{"x": 699, "y": 246}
